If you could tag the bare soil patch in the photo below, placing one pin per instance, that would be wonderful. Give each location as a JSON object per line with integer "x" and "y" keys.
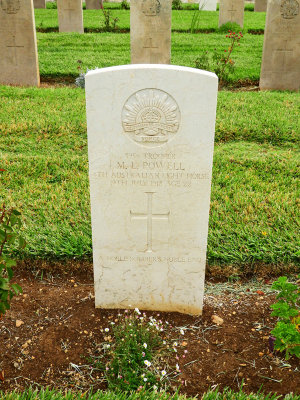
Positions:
{"x": 59, "y": 328}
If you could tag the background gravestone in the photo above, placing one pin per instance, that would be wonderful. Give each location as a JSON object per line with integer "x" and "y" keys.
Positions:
{"x": 92, "y": 4}
{"x": 70, "y": 16}
{"x": 231, "y": 11}
{"x": 208, "y": 5}
{"x": 18, "y": 49}
{"x": 260, "y": 5}
{"x": 281, "y": 52}
{"x": 150, "y": 31}
{"x": 39, "y": 3}
{"x": 151, "y": 139}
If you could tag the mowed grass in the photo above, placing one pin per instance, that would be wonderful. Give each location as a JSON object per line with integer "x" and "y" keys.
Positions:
{"x": 227, "y": 393}
{"x": 59, "y": 53}
{"x": 181, "y": 19}
{"x": 254, "y": 206}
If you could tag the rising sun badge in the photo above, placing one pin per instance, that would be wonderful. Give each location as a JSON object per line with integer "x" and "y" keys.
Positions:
{"x": 151, "y": 117}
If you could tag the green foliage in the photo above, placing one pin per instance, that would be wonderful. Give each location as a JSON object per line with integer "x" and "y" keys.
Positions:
{"x": 177, "y": 5}
{"x": 110, "y": 22}
{"x": 136, "y": 349}
{"x": 230, "y": 26}
{"x": 220, "y": 63}
{"x": 125, "y": 5}
{"x": 10, "y": 224}
{"x": 195, "y": 21}
{"x": 52, "y": 5}
{"x": 287, "y": 309}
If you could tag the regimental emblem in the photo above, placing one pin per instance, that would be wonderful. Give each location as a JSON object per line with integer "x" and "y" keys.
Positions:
{"x": 151, "y": 7}
{"x": 289, "y": 8}
{"x": 10, "y": 6}
{"x": 151, "y": 117}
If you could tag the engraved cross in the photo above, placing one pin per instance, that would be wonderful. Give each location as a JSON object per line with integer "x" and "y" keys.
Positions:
{"x": 283, "y": 52}
{"x": 14, "y": 46}
{"x": 149, "y": 44}
{"x": 232, "y": 11}
{"x": 149, "y": 217}
{"x": 69, "y": 9}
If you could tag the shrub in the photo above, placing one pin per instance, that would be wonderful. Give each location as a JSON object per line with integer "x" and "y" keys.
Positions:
{"x": 137, "y": 353}
{"x": 10, "y": 224}
{"x": 176, "y": 4}
{"x": 287, "y": 309}
{"x": 220, "y": 63}
{"x": 125, "y": 5}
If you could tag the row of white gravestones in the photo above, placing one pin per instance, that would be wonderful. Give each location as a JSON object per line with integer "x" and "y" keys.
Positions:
{"x": 150, "y": 140}
{"x": 90, "y": 4}
{"x": 150, "y": 38}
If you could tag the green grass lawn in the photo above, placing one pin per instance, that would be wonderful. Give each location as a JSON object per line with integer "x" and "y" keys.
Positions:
{"x": 59, "y": 53}
{"x": 254, "y": 205}
{"x": 181, "y": 20}
{"x": 47, "y": 394}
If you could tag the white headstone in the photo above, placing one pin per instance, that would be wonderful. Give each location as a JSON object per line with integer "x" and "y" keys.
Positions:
{"x": 18, "y": 49}
{"x": 231, "y": 11}
{"x": 280, "y": 67}
{"x": 151, "y": 140}
{"x": 208, "y": 5}
{"x": 150, "y": 31}
{"x": 70, "y": 16}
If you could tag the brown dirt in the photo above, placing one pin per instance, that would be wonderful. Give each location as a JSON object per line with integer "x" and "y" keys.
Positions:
{"x": 61, "y": 328}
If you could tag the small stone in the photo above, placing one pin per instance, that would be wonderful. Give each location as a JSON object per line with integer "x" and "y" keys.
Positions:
{"x": 217, "y": 320}
{"x": 19, "y": 323}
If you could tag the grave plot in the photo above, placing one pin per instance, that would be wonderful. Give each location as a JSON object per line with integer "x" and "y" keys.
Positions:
{"x": 173, "y": 200}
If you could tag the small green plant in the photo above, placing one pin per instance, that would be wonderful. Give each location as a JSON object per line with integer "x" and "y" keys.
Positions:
{"x": 177, "y": 5}
{"x": 51, "y": 4}
{"x": 220, "y": 63}
{"x": 287, "y": 309}
{"x": 10, "y": 224}
{"x": 110, "y": 23}
{"x": 137, "y": 352}
{"x": 125, "y": 5}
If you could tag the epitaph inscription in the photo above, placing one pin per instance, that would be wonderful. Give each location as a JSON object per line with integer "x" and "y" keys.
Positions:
{"x": 10, "y": 6}
{"x": 289, "y": 8}
{"x": 151, "y": 117}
